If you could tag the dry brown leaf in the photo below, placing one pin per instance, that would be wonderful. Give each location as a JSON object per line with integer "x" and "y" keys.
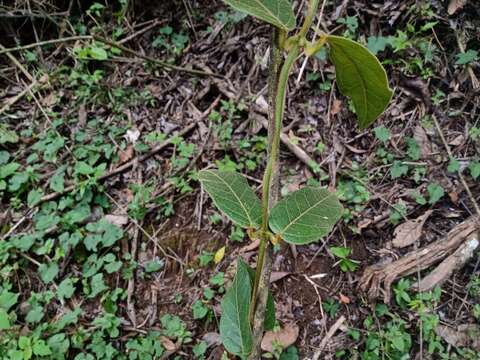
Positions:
{"x": 455, "y": 5}
{"x": 423, "y": 141}
{"x": 466, "y": 335}
{"x": 126, "y": 155}
{"x": 344, "y": 299}
{"x": 132, "y": 135}
{"x": 336, "y": 107}
{"x": 82, "y": 115}
{"x": 168, "y": 344}
{"x": 284, "y": 337}
{"x": 118, "y": 220}
{"x": 278, "y": 275}
{"x": 410, "y": 231}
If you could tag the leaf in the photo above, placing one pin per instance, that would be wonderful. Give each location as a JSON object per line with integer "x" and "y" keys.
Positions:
{"x": 435, "y": 193}
{"x": 275, "y": 12}
{"x": 285, "y": 337}
{"x": 48, "y": 272}
{"x": 235, "y": 331}
{"x": 34, "y": 197}
{"x": 466, "y": 57}
{"x": 4, "y": 320}
{"x": 455, "y": 5}
{"x": 361, "y": 77}
{"x": 474, "y": 168}
{"x": 340, "y": 252}
{"x": 232, "y": 195}
{"x": 306, "y": 215}
{"x": 41, "y": 348}
{"x": 66, "y": 289}
{"x": 219, "y": 255}
{"x": 410, "y": 231}
{"x": 7, "y": 136}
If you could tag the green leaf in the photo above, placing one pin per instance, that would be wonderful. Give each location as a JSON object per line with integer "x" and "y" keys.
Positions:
{"x": 4, "y": 320}
{"x": 435, "y": 193}
{"x": 98, "y": 53}
{"x": 232, "y": 195}
{"x": 306, "y": 215}
{"x": 474, "y": 168}
{"x": 340, "y": 252}
{"x": 235, "y": 330}
{"x": 7, "y": 136}
{"x": 275, "y": 12}
{"x": 34, "y": 197}
{"x": 41, "y": 348}
{"x": 8, "y": 299}
{"x": 382, "y": 133}
{"x": 361, "y": 77}
{"x": 466, "y": 57}
{"x": 48, "y": 272}
{"x": 66, "y": 289}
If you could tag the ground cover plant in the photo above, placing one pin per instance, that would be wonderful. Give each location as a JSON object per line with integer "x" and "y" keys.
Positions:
{"x": 112, "y": 113}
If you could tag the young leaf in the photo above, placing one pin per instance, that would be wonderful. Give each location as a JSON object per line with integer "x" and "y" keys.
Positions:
{"x": 232, "y": 195}
{"x": 275, "y": 12}
{"x": 361, "y": 77}
{"x": 235, "y": 330}
{"x": 306, "y": 215}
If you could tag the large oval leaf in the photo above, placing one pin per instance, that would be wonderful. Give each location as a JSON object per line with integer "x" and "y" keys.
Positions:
{"x": 232, "y": 195}
{"x": 235, "y": 330}
{"x": 361, "y": 77}
{"x": 306, "y": 215}
{"x": 275, "y": 12}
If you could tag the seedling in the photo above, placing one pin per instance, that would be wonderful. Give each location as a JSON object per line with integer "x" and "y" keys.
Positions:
{"x": 343, "y": 253}
{"x": 303, "y": 216}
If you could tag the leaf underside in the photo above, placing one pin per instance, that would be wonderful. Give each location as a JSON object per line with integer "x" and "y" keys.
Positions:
{"x": 306, "y": 215}
{"x": 275, "y": 12}
{"x": 232, "y": 195}
{"x": 361, "y": 77}
{"x": 235, "y": 330}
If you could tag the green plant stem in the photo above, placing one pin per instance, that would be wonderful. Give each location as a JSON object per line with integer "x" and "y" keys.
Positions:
{"x": 307, "y": 23}
{"x": 271, "y": 164}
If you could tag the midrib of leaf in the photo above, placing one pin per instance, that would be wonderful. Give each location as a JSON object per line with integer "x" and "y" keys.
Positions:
{"x": 236, "y": 196}
{"x": 304, "y": 212}
{"x": 238, "y": 316}
{"x": 364, "y": 88}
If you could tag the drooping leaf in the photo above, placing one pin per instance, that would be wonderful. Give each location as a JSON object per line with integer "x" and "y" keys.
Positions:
{"x": 275, "y": 12}
{"x": 235, "y": 330}
{"x": 232, "y": 195}
{"x": 306, "y": 215}
{"x": 361, "y": 77}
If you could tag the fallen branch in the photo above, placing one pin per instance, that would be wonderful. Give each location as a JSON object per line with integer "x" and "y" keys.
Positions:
{"x": 328, "y": 336}
{"x": 420, "y": 259}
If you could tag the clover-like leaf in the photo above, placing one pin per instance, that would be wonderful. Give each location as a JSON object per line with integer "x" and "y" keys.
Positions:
{"x": 235, "y": 329}
{"x": 361, "y": 77}
{"x": 306, "y": 215}
{"x": 233, "y": 196}
{"x": 275, "y": 12}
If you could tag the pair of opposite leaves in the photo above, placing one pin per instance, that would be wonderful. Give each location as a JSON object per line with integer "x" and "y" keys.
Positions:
{"x": 301, "y": 217}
